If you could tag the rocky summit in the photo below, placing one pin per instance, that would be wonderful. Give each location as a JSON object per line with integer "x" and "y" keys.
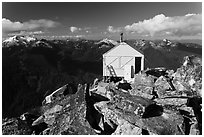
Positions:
{"x": 158, "y": 102}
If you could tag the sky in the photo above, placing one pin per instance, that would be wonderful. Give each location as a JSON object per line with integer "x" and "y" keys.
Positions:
{"x": 137, "y": 20}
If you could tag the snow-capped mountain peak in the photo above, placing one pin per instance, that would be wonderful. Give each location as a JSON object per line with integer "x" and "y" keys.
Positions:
{"x": 11, "y": 39}
{"x": 18, "y": 40}
{"x": 107, "y": 42}
{"x": 29, "y": 39}
{"x": 168, "y": 42}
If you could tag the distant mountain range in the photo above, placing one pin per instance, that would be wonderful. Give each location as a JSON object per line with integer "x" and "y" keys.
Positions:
{"x": 196, "y": 41}
{"x": 25, "y": 40}
{"x": 93, "y": 50}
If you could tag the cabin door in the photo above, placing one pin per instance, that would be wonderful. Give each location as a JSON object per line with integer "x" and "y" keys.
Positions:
{"x": 137, "y": 64}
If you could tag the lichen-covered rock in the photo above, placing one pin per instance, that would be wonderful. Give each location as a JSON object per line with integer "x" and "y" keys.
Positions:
{"x": 127, "y": 112}
{"x": 14, "y": 126}
{"x": 125, "y": 128}
{"x": 170, "y": 73}
{"x": 143, "y": 79}
{"x": 162, "y": 87}
{"x": 189, "y": 76}
{"x": 194, "y": 128}
{"x": 171, "y": 101}
{"x": 180, "y": 86}
{"x": 145, "y": 92}
{"x": 72, "y": 117}
{"x": 124, "y": 107}
{"x": 122, "y": 120}
{"x": 166, "y": 124}
{"x": 101, "y": 89}
{"x": 143, "y": 86}
{"x": 38, "y": 121}
{"x": 51, "y": 114}
{"x": 190, "y": 124}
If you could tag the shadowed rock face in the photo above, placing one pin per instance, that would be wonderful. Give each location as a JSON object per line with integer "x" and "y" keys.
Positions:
{"x": 66, "y": 115}
{"x": 125, "y": 86}
{"x": 94, "y": 117}
{"x": 39, "y": 128}
{"x": 195, "y": 103}
{"x": 153, "y": 110}
{"x": 72, "y": 118}
{"x": 157, "y": 72}
{"x": 187, "y": 121}
{"x": 70, "y": 89}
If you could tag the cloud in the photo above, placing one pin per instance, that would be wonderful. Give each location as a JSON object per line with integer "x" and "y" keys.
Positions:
{"x": 79, "y": 36}
{"x": 63, "y": 36}
{"x": 188, "y": 25}
{"x": 83, "y": 30}
{"x": 13, "y": 26}
{"x": 74, "y": 29}
{"x": 26, "y": 33}
{"x": 111, "y": 29}
{"x": 88, "y": 28}
{"x": 190, "y": 14}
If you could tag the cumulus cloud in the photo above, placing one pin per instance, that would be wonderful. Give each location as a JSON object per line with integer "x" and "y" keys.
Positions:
{"x": 188, "y": 25}
{"x": 74, "y": 29}
{"x": 13, "y": 26}
{"x": 111, "y": 29}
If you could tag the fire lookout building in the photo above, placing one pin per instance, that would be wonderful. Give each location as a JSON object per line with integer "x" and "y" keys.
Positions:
{"x": 122, "y": 61}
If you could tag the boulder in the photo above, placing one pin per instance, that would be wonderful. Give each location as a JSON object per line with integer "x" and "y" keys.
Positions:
{"x": 167, "y": 124}
{"x": 157, "y": 72}
{"x": 171, "y": 101}
{"x": 143, "y": 86}
{"x": 189, "y": 76}
{"x": 15, "y": 126}
{"x": 125, "y": 128}
{"x": 65, "y": 90}
{"x": 124, "y": 86}
{"x": 51, "y": 114}
{"x": 127, "y": 111}
{"x": 68, "y": 115}
{"x": 123, "y": 106}
{"x": 101, "y": 89}
{"x": 143, "y": 79}
{"x": 145, "y": 92}
{"x": 38, "y": 121}
{"x": 73, "y": 120}
{"x": 162, "y": 87}
{"x": 180, "y": 86}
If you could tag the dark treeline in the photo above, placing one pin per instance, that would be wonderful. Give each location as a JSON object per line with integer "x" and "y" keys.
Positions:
{"x": 30, "y": 73}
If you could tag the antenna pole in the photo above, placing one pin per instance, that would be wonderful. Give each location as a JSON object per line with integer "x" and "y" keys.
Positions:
{"x": 121, "y": 37}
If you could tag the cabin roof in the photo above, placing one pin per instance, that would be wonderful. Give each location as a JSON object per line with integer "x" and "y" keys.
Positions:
{"x": 122, "y": 43}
